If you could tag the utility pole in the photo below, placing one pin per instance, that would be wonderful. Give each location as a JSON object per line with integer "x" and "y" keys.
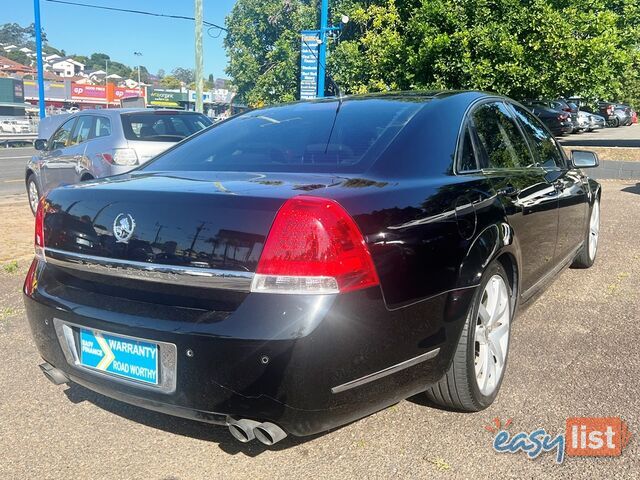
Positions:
{"x": 138, "y": 54}
{"x": 41, "y": 101}
{"x": 106, "y": 81}
{"x": 322, "y": 54}
{"x": 199, "y": 65}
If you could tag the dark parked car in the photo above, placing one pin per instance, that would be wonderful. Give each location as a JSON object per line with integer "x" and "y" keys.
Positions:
{"x": 557, "y": 121}
{"x": 298, "y": 267}
{"x": 607, "y": 110}
{"x": 562, "y": 106}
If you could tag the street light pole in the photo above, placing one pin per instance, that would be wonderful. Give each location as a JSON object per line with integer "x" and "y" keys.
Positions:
{"x": 199, "y": 63}
{"x": 36, "y": 14}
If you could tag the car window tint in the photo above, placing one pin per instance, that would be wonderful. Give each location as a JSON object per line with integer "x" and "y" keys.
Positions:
{"x": 60, "y": 138}
{"x": 102, "y": 127}
{"x": 500, "y": 138}
{"x": 161, "y": 126}
{"x": 467, "y": 155}
{"x": 545, "y": 149}
{"x": 82, "y": 129}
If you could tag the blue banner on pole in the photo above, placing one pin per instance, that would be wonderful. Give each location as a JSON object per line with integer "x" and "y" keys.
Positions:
{"x": 309, "y": 64}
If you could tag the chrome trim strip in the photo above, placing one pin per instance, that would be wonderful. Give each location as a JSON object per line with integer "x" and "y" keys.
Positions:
{"x": 387, "y": 371}
{"x": 167, "y": 360}
{"x": 152, "y": 272}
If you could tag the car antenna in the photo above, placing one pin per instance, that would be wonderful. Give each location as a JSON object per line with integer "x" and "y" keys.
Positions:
{"x": 336, "y": 88}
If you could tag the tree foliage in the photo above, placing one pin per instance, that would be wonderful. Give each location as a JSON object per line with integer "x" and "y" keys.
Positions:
{"x": 521, "y": 48}
{"x": 185, "y": 75}
{"x": 263, "y": 46}
{"x": 169, "y": 81}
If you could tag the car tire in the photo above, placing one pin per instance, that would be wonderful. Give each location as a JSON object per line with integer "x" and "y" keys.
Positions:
{"x": 615, "y": 123}
{"x": 462, "y": 388}
{"x": 587, "y": 255}
{"x": 33, "y": 193}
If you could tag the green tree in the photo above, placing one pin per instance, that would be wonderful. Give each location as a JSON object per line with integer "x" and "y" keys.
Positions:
{"x": 170, "y": 82}
{"x": 13, "y": 33}
{"x": 185, "y": 75}
{"x": 19, "y": 57}
{"x": 522, "y": 48}
{"x": 263, "y": 45}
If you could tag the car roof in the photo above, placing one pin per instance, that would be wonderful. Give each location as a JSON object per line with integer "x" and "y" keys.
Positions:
{"x": 119, "y": 111}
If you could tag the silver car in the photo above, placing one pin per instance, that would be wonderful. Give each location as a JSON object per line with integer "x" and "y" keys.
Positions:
{"x": 99, "y": 143}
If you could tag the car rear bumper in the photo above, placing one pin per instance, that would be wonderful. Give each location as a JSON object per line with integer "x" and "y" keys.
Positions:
{"x": 305, "y": 363}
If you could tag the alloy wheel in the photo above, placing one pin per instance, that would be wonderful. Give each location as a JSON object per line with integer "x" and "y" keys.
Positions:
{"x": 34, "y": 197}
{"x": 492, "y": 334}
{"x": 594, "y": 229}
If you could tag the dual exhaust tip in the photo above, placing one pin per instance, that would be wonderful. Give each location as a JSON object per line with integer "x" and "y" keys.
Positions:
{"x": 245, "y": 430}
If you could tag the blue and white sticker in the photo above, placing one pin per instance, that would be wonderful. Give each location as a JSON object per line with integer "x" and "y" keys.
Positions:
{"x": 133, "y": 359}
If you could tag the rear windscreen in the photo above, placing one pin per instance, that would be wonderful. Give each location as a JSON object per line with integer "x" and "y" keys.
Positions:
{"x": 161, "y": 126}
{"x": 303, "y": 137}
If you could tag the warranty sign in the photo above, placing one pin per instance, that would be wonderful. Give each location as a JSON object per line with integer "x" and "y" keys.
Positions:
{"x": 125, "y": 357}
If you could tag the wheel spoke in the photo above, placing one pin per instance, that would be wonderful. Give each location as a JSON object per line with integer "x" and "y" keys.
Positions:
{"x": 496, "y": 350}
{"x": 486, "y": 370}
{"x": 490, "y": 373}
{"x": 484, "y": 314}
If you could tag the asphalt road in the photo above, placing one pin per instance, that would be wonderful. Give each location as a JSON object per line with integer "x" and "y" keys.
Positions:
{"x": 574, "y": 353}
{"x": 12, "y": 162}
{"x": 607, "y": 137}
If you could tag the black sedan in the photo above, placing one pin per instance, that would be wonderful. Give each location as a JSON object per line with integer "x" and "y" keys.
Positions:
{"x": 557, "y": 121}
{"x": 298, "y": 267}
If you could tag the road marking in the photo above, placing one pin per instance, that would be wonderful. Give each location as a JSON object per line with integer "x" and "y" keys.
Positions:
{"x": 12, "y": 181}
{"x": 14, "y": 158}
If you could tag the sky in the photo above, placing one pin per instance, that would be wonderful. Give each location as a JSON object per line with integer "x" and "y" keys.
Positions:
{"x": 164, "y": 43}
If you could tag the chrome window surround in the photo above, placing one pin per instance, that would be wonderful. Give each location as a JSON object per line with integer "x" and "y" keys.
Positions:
{"x": 152, "y": 272}
{"x": 167, "y": 352}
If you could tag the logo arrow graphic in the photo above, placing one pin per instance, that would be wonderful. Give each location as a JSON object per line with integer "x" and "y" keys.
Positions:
{"x": 108, "y": 354}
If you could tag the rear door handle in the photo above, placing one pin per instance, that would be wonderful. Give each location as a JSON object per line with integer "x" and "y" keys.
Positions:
{"x": 509, "y": 191}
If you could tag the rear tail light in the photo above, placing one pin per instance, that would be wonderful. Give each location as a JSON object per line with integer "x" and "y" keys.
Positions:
{"x": 314, "y": 246}
{"x": 120, "y": 156}
{"x": 31, "y": 281}
{"x": 39, "y": 230}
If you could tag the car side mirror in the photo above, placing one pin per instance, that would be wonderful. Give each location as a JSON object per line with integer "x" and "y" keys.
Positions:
{"x": 40, "y": 144}
{"x": 584, "y": 159}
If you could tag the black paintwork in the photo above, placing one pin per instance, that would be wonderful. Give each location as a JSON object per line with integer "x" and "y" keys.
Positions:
{"x": 431, "y": 231}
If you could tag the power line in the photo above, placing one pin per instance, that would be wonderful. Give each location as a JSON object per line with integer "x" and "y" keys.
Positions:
{"x": 139, "y": 12}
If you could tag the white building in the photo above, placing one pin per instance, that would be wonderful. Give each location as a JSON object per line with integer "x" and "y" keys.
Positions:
{"x": 67, "y": 67}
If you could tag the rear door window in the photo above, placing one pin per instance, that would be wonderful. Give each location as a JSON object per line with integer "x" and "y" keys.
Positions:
{"x": 500, "y": 138}
{"x": 161, "y": 126}
{"x": 82, "y": 129}
{"x": 102, "y": 127}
